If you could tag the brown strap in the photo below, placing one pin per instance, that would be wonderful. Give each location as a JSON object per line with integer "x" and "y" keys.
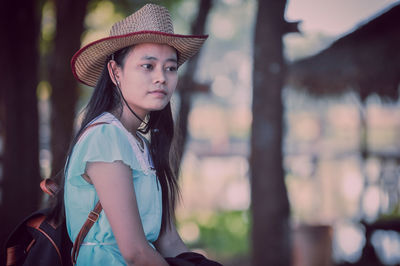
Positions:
{"x": 49, "y": 186}
{"x": 14, "y": 254}
{"x": 92, "y": 217}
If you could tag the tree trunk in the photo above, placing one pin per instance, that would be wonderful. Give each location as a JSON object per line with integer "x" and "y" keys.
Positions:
{"x": 20, "y": 192}
{"x": 187, "y": 84}
{"x": 65, "y": 92}
{"x": 270, "y": 206}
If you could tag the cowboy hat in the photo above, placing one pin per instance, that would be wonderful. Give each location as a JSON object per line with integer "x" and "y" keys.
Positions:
{"x": 150, "y": 24}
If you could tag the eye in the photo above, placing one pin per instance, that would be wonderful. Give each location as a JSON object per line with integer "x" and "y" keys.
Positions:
{"x": 147, "y": 66}
{"x": 171, "y": 68}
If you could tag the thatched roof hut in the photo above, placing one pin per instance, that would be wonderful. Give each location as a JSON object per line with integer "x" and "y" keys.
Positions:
{"x": 366, "y": 61}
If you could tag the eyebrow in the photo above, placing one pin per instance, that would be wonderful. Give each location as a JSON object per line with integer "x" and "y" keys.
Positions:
{"x": 148, "y": 57}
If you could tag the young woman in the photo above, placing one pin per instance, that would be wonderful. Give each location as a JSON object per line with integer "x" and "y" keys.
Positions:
{"x": 134, "y": 72}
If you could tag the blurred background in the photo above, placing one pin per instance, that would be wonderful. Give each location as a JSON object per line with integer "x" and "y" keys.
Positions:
{"x": 289, "y": 120}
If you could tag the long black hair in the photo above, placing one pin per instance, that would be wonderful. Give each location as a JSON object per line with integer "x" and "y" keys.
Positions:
{"x": 160, "y": 126}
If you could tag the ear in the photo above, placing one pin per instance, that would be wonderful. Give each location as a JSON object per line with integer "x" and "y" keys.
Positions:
{"x": 113, "y": 71}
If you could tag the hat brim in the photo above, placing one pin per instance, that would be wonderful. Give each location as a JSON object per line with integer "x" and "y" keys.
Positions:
{"x": 88, "y": 63}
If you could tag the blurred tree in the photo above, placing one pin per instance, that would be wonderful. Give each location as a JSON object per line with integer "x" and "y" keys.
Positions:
{"x": 70, "y": 15}
{"x": 187, "y": 85}
{"x": 269, "y": 201}
{"x": 20, "y": 192}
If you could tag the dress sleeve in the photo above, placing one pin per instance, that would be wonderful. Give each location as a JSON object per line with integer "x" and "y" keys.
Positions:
{"x": 102, "y": 143}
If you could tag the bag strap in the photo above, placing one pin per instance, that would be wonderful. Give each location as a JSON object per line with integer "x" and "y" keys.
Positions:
{"x": 92, "y": 217}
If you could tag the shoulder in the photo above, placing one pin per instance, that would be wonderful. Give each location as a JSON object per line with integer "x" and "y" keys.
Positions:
{"x": 103, "y": 126}
{"x": 103, "y": 143}
{"x": 102, "y": 131}
{"x": 102, "y": 140}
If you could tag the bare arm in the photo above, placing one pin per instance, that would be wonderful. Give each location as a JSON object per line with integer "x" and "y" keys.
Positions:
{"x": 114, "y": 185}
{"x": 169, "y": 243}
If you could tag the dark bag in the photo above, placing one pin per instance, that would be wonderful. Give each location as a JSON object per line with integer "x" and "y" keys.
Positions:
{"x": 38, "y": 240}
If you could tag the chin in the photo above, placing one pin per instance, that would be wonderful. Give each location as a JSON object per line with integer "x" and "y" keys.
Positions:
{"x": 157, "y": 107}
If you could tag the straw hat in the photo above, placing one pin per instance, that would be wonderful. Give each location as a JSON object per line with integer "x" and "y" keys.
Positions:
{"x": 150, "y": 24}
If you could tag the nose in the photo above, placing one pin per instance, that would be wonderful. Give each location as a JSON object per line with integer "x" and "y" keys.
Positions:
{"x": 159, "y": 76}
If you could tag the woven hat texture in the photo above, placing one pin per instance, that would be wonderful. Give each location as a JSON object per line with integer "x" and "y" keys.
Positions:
{"x": 150, "y": 24}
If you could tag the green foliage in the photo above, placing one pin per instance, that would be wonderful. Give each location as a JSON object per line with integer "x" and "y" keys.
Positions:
{"x": 223, "y": 234}
{"x": 392, "y": 215}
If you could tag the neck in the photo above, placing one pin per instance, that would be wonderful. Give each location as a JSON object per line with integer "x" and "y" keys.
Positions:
{"x": 130, "y": 121}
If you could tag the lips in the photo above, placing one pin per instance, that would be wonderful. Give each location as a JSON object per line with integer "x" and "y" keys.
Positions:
{"x": 158, "y": 92}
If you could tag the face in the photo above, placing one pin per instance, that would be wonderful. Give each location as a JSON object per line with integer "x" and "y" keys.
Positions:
{"x": 148, "y": 77}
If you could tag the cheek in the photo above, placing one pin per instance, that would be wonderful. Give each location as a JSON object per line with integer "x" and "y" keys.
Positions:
{"x": 136, "y": 82}
{"x": 173, "y": 82}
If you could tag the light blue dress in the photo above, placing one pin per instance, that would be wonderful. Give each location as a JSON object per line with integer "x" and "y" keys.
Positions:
{"x": 108, "y": 143}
